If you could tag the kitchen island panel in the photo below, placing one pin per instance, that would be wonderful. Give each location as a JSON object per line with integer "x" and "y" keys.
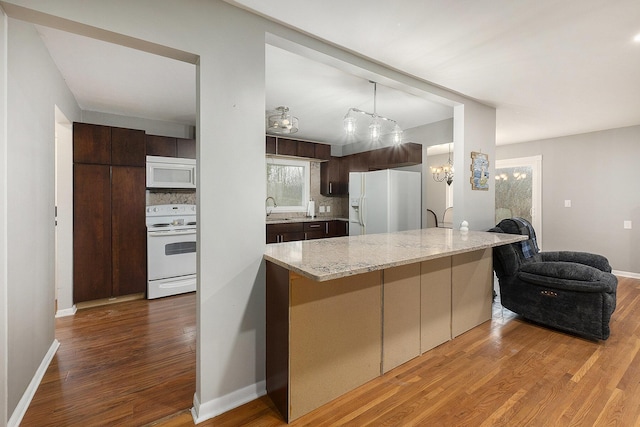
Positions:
{"x": 335, "y": 340}
{"x": 401, "y": 326}
{"x": 471, "y": 290}
{"x": 435, "y": 303}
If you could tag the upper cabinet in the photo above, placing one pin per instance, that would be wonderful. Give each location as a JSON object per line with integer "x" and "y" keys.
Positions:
{"x": 294, "y": 148}
{"x": 127, "y": 147}
{"x": 106, "y": 145}
{"x": 91, "y": 144}
{"x": 170, "y": 147}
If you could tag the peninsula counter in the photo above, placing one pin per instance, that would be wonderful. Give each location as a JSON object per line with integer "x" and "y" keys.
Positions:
{"x": 345, "y": 310}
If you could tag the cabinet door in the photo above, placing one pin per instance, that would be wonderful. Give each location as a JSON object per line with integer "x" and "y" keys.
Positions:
{"x": 160, "y": 146}
{"x": 270, "y": 145}
{"x": 306, "y": 149}
{"x": 186, "y": 148}
{"x": 287, "y": 147}
{"x": 316, "y": 230}
{"x": 323, "y": 151}
{"x": 128, "y": 147}
{"x": 129, "y": 235}
{"x": 338, "y": 228}
{"x": 331, "y": 183}
{"x": 91, "y": 232}
{"x": 91, "y": 144}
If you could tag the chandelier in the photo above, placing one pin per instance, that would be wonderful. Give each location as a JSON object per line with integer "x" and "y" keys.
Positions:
{"x": 375, "y": 125}
{"x": 281, "y": 122}
{"x": 445, "y": 170}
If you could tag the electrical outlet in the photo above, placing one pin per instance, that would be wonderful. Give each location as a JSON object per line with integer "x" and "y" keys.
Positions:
{"x": 321, "y": 209}
{"x": 328, "y": 208}
{"x": 627, "y": 225}
{"x": 567, "y": 203}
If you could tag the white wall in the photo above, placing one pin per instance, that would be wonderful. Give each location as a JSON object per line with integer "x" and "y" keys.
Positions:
{"x": 230, "y": 144}
{"x": 597, "y": 171}
{"x": 34, "y": 88}
{"x": 4, "y": 300}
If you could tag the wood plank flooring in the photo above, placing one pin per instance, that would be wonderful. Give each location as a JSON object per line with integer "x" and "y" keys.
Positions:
{"x": 506, "y": 372}
{"x": 125, "y": 364}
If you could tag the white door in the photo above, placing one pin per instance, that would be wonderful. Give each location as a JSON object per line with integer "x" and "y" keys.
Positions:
{"x": 519, "y": 191}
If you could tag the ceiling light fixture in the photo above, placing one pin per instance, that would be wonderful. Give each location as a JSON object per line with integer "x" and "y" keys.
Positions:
{"x": 376, "y": 125}
{"x": 445, "y": 170}
{"x": 281, "y": 122}
{"x": 637, "y": 38}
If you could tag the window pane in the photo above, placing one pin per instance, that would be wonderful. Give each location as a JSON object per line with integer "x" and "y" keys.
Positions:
{"x": 514, "y": 193}
{"x": 286, "y": 184}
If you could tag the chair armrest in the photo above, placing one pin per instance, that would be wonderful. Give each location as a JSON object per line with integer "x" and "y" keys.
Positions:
{"x": 593, "y": 260}
{"x": 568, "y": 276}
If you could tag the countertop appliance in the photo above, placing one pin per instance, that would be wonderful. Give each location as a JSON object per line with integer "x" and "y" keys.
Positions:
{"x": 171, "y": 250}
{"x": 171, "y": 172}
{"x": 384, "y": 201}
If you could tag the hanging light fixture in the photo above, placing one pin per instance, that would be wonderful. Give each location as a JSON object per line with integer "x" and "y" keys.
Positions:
{"x": 281, "y": 122}
{"x": 445, "y": 170}
{"x": 376, "y": 125}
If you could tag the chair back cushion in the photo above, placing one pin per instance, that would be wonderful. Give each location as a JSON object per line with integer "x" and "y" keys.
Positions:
{"x": 528, "y": 247}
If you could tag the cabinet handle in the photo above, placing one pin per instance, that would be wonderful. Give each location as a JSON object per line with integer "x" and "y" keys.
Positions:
{"x": 314, "y": 226}
{"x": 330, "y": 188}
{"x": 305, "y": 235}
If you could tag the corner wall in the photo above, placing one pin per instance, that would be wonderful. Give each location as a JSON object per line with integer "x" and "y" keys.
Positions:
{"x": 598, "y": 172}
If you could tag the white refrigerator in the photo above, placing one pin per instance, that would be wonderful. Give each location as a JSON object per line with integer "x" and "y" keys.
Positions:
{"x": 384, "y": 201}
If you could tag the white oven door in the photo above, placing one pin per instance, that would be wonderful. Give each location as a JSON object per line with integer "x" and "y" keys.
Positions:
{"x": 171, "y": 253}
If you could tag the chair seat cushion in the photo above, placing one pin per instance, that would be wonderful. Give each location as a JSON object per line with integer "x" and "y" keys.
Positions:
{"x": 567, "y": 276}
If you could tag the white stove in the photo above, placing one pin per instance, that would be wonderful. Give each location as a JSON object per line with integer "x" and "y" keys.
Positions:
{"x": 171, "y": 250}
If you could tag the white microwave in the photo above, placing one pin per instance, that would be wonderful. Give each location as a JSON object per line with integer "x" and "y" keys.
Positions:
{"x": 170, "y": 172}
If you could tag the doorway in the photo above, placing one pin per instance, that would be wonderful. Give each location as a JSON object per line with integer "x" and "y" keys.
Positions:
{"x": 519, "y": 191}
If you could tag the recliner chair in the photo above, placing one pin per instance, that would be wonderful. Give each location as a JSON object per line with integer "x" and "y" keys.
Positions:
{"x": 571, "y": 291}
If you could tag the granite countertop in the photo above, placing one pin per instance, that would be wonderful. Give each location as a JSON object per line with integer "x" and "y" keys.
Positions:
{"x": 328, "y": 259}
{"x": 303, "y": 219}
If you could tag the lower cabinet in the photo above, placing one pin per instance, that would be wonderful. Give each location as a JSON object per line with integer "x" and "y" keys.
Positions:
{"x": 109, "y": 232}
{"x": 309, "y": 230}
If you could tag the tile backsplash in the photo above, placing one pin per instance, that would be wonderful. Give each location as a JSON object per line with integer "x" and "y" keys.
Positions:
{"x": 155, "y": 197}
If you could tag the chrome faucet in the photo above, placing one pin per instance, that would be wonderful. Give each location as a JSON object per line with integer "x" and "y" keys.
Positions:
{"x": 275, "y": 205}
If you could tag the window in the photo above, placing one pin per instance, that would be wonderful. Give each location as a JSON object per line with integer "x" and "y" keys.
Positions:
{"x": 288, "y": 183}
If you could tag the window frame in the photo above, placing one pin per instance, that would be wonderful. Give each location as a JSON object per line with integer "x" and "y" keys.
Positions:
{"x": 306, "y": 165}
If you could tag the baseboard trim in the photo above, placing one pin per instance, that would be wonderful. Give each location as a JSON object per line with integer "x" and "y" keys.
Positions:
{"x": 207, "y": 410}
{"x": 67, "y": 312}
{"x": 23, "y": 405}
{"x": 626, "y": 274}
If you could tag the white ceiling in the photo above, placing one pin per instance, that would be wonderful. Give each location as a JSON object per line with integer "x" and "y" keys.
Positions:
{"x": 550, "y": 67}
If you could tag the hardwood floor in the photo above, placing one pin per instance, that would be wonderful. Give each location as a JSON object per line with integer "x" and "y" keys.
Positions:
{"x": 506, "y": 372}
{"x": 124, "y": 364}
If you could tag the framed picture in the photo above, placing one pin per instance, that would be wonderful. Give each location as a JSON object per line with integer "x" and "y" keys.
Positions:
{"x": 479, "y": 171}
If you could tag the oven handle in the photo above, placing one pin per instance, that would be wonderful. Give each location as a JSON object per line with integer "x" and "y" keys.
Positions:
{"x": 170, "y": 233}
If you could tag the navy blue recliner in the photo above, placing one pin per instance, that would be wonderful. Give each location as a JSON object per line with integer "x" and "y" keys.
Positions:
{"x": 571, "y": 291}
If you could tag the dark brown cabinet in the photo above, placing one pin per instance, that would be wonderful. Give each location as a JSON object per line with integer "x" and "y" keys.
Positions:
{"x": 338, "y": 228}
{"x": 166, "y": 146}
{"x": 104, "y": 145}
{"x": 333, "y": 179}
{"x": 91, "y": 229}
{"x": 109, "y": 232}
{"x": 310, "y": 230}
{"x": 128, "y": 230}
{"x": 91, "y": 144}
{"x": 286, "y": 232}
{"x": 295, "y": 148}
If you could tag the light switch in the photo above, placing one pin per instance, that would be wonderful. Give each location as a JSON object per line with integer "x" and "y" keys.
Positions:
{"x": 567, "y": 203}
{"x": 627, "y": 225}
{"x": 328, "y": 208}
{"x": 321, "y": 209}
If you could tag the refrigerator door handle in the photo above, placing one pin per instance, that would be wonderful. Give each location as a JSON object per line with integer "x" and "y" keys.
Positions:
{"x": 361, "y": 213}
